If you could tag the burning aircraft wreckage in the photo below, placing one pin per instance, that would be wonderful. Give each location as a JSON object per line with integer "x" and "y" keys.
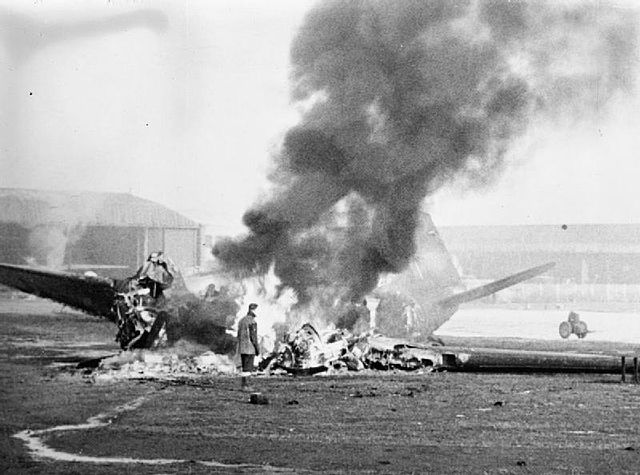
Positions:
{"x": 398, "y": 100}
{"x": 307, "y": 351}
{"x": 153, "y": 310}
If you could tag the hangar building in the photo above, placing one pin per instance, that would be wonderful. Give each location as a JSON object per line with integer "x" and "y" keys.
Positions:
{"x": 584, "y": 253}
{"x": 111, "y": 233}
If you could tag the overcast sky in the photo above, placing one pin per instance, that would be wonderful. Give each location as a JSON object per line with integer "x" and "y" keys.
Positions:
{"x": 183, "y": 103}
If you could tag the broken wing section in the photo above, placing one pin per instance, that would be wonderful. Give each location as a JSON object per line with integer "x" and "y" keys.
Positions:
{"x": 94, "y": 295}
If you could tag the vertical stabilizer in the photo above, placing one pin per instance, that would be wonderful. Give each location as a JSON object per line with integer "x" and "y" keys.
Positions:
{"x": 430, "y": 277}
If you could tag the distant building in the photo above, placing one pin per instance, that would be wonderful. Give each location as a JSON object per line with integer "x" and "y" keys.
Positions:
{"x": 111, "y": 233}
{"x": 584, "y": 253}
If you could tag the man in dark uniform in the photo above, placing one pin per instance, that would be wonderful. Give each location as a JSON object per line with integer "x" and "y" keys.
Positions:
{"x": 248, "y": 342}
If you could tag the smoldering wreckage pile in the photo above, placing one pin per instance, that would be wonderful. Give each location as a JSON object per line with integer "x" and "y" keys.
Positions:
{"x": 155, "y": 348}
{"x": 306, "y": 353}
{"x": 165, "y": 331}
{"x": 177, "y": 337}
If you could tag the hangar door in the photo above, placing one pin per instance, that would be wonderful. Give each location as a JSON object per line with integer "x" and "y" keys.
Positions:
{"x": 180, "y": 245}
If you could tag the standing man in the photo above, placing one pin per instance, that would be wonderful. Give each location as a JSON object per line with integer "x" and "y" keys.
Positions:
{"x": 248, "y": 342}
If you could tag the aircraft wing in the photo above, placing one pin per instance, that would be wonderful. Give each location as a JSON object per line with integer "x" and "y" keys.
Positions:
{"x": 495, "y": 286}
{"x": 94, "y": 295}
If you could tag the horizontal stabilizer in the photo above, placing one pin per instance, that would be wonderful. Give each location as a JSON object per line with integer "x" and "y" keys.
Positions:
{"x": 495, "y": 286}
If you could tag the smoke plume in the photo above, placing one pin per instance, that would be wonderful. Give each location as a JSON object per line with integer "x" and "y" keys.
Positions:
{"x": 403, "y": 97}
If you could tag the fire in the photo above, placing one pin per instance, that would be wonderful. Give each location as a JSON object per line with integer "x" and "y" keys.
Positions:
{"x": 274, "y": 305}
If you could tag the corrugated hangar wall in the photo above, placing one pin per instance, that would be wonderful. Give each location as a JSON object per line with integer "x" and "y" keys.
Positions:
{"x": 111, "y": 233}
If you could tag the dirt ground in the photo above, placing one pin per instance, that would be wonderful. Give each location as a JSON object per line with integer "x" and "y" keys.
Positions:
{"x": 357, "y": 423}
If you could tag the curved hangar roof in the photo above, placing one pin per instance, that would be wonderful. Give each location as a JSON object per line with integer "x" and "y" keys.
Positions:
{"x": 39, "y": 207}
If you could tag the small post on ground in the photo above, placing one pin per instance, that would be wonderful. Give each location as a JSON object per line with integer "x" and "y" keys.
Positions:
{"x": 635, "y": 369}
{"x": 624, "y": 364}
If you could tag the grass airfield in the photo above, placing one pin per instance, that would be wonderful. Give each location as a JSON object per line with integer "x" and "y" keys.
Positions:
{"x": 383, "y": 422}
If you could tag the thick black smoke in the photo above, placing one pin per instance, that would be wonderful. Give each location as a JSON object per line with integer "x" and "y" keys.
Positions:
{"x": 407, "y": 95}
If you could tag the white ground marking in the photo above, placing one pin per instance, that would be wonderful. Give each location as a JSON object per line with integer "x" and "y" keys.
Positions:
{"x": 34, "y": 440}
